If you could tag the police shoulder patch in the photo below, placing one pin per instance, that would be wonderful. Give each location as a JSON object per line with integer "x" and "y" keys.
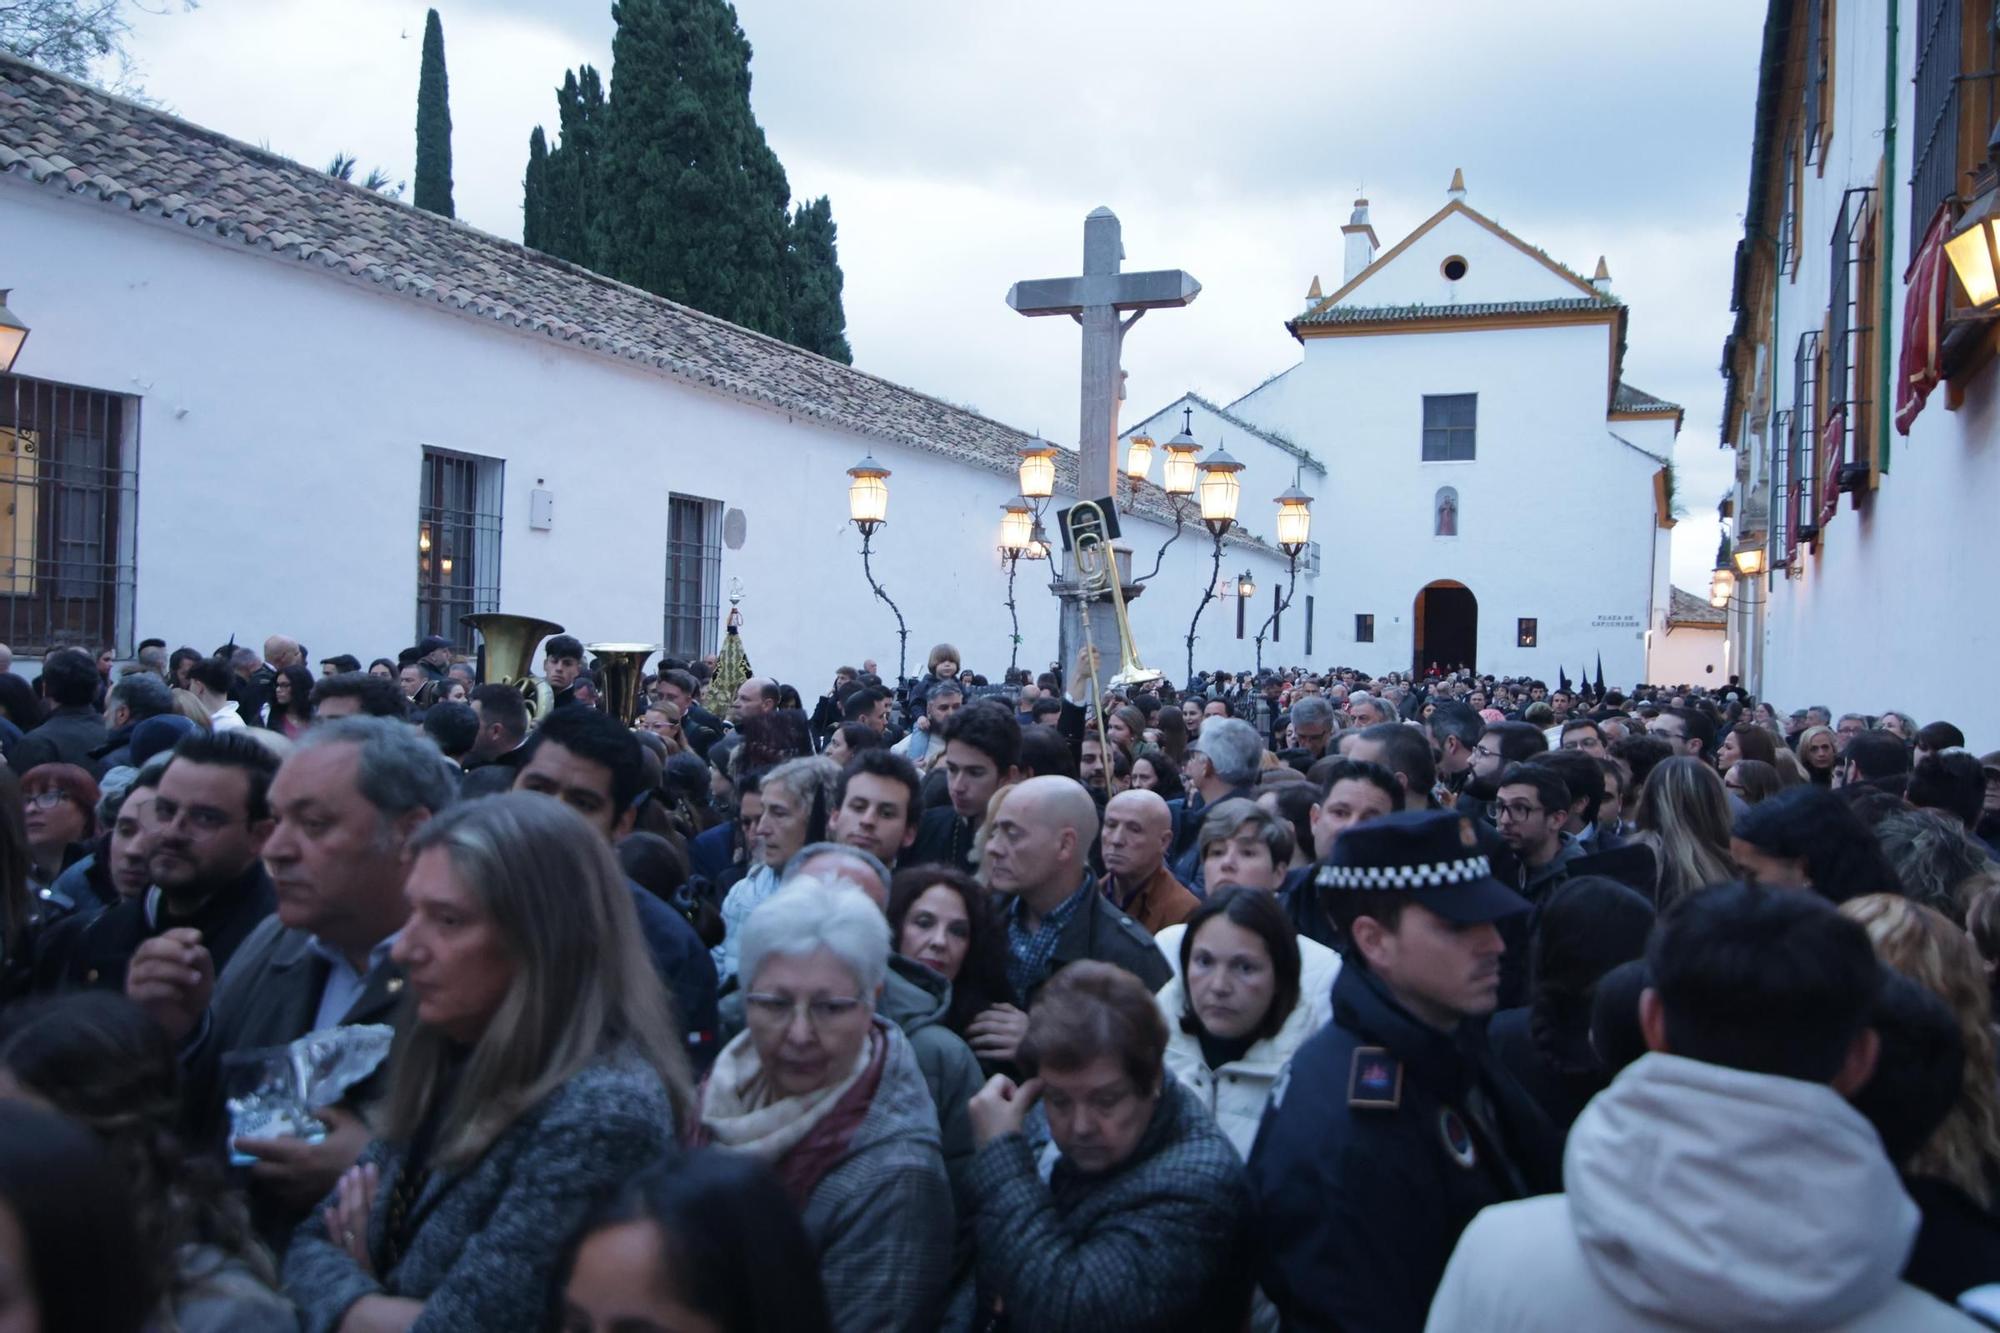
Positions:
{"x": 1375, "y": 1080}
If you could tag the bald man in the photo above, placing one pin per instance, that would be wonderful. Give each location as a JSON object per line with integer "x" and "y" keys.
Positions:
{"x": 754, "y": 697}
{"x": 1038, "y": 861}
{"x": 1138, "y": 830}
{"x": 281, "y": 652}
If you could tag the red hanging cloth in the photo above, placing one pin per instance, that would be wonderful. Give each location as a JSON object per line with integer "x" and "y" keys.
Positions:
{"x": 1926, "y": 281}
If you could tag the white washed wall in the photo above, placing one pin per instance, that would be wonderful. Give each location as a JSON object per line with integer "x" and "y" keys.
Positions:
{"x": 284, "y": 411}
{"x": 1895, "y": 610}
{"x": 1555, "y": 516}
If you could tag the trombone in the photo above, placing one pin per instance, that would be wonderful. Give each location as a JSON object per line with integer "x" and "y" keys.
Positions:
{"x": 1090, "y": 528}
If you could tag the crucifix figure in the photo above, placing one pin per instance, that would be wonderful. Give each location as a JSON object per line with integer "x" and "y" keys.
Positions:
{"x": 1096, "y": 300}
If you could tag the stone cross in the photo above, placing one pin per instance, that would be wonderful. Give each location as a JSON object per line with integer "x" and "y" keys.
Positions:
{"x": 1095, "y": 300}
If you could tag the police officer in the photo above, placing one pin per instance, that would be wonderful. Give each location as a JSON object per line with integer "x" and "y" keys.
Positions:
{"x": 1393, "y": 1125}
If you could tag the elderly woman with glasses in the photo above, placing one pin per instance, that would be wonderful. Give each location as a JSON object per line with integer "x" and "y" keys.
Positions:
{"x": 830, "y": 1095}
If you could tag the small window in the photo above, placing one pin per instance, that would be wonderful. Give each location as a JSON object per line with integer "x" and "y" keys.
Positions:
{"x": 1444, "y": 521}
{"x": 1364, "y": 629}
{"x": 1524, "y": 632}
{"x": 1309, "y": 625}
{"x": 1450, "y": 427}
{"x": 694, "y": 575}
{"x": 1453, "y": 268}
{"x": 458, "y": 542}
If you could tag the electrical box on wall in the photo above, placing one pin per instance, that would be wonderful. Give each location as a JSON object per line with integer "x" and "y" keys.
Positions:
{"x": 541, "y": 510}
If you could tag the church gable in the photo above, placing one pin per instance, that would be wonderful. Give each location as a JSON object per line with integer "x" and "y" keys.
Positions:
{"x": 1459, "y": 257}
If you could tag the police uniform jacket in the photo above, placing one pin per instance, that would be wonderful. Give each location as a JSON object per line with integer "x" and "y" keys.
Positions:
{"x": 1380, "y": 1145}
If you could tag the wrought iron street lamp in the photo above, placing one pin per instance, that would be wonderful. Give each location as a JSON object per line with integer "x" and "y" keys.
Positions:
{"x": 1177, "y": 474}
{"x": 1294, "y": 534}
{"x": 13, "y": 333}
{"x": 1038, "y": 471}
{"x": 1219, "y": 491}
{"x": 1749, "y": 558}
{"x": 1974, "y": 245}
{"x": 1018, "y": 530}
{"x": 868, "y": 509}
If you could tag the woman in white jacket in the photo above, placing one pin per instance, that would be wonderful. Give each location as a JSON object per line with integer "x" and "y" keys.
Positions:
{"x": 1246, "y": 993}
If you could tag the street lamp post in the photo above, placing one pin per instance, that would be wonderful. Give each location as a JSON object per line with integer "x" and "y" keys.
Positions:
{"x": 1177, "y": 476}
{"x": 868, "y": 509}
{"x": 1294, "y": 532}
{"x": 13, "y": 333}
{"x": 1018, "y": 531}
{"x": 1219, "y": 490}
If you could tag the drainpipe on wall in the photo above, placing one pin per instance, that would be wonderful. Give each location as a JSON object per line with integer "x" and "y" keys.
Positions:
{"x": 1884, "y": 405}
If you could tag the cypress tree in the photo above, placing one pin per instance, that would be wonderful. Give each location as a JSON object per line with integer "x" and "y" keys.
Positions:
{"x": 534, "y": 192}
{"x": 694, "y": 200}
{"x": 570, "y": 185}
{"x": 433, "y": 125}
{"x": 818, "y": 322}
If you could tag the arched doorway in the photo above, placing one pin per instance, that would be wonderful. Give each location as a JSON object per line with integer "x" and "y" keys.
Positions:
{"x": 1447, "y": 625}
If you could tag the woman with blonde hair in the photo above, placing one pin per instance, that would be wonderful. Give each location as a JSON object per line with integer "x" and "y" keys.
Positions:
{"x": 1955, "y": 1177}
{"x": 190, "y": 706}
{"x": 1684, "y": 818}
{"x": 1819, "y": 754}
{"x": 540, "y": 1070}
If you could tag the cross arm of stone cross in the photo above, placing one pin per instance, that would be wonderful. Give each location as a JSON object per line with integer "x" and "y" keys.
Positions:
{"x": 1156, "y": 289}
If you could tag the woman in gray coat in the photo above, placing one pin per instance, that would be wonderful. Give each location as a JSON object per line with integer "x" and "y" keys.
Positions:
{"x": 542, "y": 1070}
{"x": 829, "y": 1093}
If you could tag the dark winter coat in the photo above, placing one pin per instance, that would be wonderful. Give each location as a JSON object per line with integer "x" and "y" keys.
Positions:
{"x": 1160, "y": 1241}
{"x": 485, "y": 1240}
{"x": 1359, "y": 1205}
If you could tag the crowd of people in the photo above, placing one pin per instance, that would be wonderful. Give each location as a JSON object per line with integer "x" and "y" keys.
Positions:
{"x": 381, "y": 998}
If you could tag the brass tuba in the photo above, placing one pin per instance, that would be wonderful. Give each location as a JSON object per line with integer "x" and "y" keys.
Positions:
{"x": 1097, "y": 573}
{"x": 623, "y": 665}
{"x": 510, "y": 643}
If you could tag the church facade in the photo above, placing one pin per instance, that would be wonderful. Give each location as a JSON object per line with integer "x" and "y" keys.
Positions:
{"x": 1490, "y": 492}
{"x": 256, "y": 399}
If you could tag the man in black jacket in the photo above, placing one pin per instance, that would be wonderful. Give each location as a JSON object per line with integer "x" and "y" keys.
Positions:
{"x": 1394, "y": 1125}
{"x": 344, "y": 806}
{"x": 209, "y": 889}
{"x": 74, "y": 728}
{"x": 1037, "y": 858}
{"x": 982, "y": 753}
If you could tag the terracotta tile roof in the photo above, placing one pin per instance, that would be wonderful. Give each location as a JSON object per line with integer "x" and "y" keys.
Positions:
{"x": 1630, "y": 399}
{"x": 1688, "y": 609}
{"x": 1390, "y": 314}
{"x": 82, "y": 141}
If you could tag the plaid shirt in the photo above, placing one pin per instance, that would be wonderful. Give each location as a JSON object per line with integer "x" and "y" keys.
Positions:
{"x": 1029, "y": 952}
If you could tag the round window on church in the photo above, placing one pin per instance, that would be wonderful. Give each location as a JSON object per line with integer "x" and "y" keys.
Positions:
{"x": 1453, "y": 268}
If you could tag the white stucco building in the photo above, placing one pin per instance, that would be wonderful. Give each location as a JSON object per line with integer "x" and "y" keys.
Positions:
{"x": 1873, "y": 514}
{"x": 256, "y": 399}
{"x": 1489, "y": 492}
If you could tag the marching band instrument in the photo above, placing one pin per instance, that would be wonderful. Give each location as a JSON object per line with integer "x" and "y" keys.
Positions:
{"x": 1096, "y": 568}
{"x": 623, "y": 665}
{"x": 509, "y": 641}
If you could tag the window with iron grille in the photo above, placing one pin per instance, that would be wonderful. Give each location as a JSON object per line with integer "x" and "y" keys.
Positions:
{"x": 1844, "y": 389}
{"x": 1816, "y": 42}
{"x": 694, "y": 576}
{"x": 1364, "y": 628}
{"x": 458, "y": 542}
{"x": 1788, "y": 221}
{"x": 1784, "y": 513}
{"x": 1934, "y": 138}
{"x": 1805, "y": 421}
{"x": 1525, "y": 632}
{"x": 69, "y": 492}
{"x": 1450, "y": 422}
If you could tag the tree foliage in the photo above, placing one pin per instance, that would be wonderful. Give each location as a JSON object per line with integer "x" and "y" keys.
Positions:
{"x": 670, "y": 185}
{"x": 433, "y": 125}
{"x": 72, "y": 37}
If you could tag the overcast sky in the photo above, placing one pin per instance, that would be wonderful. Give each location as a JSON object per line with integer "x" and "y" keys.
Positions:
{"x": 962, "y": 143}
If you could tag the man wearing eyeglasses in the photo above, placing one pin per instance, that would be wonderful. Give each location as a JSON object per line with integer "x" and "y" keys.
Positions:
{"x": 209, "y": 889}
{"x": 1531, "y": 812}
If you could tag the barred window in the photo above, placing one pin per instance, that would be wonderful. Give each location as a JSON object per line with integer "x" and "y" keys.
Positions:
{"x": 694, "y": 576}
{"x": 1816, "y": 72}
{"x": 1364, "y": 628}
{"x": 1808, "y": 418}
{"x": 1525, "y": 632}
{"x": 1450, "y": 426}
{"x": 458, "y": 543}
{"x": 69, "y": 489}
